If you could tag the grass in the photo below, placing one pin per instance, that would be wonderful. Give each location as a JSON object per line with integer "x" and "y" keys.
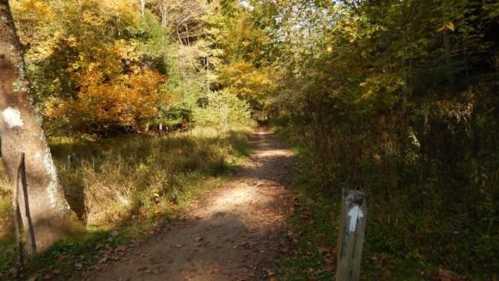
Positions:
{"x": 313, "y": 228}
{"x": 314, "y": 238}
{"x": 124, "y": 188}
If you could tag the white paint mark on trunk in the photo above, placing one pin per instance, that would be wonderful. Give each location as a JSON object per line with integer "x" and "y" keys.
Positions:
{"x": 355, "y": 214}
{"x": 12, "y": 117}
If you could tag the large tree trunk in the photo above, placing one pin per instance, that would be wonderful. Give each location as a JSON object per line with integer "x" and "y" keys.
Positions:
{"x": 21, "y": 132}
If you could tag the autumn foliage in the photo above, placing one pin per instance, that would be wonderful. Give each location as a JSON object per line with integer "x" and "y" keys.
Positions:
{"x": 126, "y": 101}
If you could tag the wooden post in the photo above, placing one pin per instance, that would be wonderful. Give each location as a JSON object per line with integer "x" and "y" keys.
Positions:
{"x": 24, "y": 237}
{"x": 351, "y": 237}
{"x": 18, "y": 228}
{"x": 23, "y": 182}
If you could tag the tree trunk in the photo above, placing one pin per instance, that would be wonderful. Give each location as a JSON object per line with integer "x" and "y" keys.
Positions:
{"x": 21, "y": 132}
{"x": 142, "y": 7}
{"x": 164, "y": 12}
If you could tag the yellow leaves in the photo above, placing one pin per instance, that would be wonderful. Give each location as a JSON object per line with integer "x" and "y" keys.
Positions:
{"x": 125, "y": 50}
{"x": 447, "y": 26}
{"x": 72, "y": 41}
{"x": 242, "y": 39}
{"x": 121, "y": 7}
{"x": 97, "y": 13}
{"x": 81, "y": 53}
{"x": 31, "y": 16}
{"x": 349, "y": 28}
{"x": 127, "y": 10}
{"x": 244, "y": 79}
{"x": 91, "y": 18}
{"x": 54, "y": 108}
{"x": 33, "y": 10}
{"x": 124, "y": 101}
{"x": 450, "y": 26}
{"x": 87, "y": 72}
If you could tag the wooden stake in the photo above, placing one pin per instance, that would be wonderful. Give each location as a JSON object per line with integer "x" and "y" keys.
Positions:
{"x": 24, "y": 184}
{"x": 18, "y": 229}
{"x": 20, "y": 202}
{"x": 351, "y": 237}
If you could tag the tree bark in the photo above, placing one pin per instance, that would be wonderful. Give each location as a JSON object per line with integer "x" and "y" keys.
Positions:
{"x": 21, "y": 132}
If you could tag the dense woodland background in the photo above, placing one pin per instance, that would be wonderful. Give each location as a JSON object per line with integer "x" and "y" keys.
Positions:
{"x": 396, "y": 98}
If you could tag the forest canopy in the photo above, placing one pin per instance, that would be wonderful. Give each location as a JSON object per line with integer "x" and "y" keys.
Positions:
{"x": 104, "y": 67}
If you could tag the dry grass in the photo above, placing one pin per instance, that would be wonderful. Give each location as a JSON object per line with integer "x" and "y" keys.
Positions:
{"x": 141, "y": 176}
{"x": 123, "y": 180}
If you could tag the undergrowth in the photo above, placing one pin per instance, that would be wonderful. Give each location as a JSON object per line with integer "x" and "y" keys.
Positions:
{"x": 414, "y": 233}
{"x": 124, "y": 189}
{"x": 314, "y": 234}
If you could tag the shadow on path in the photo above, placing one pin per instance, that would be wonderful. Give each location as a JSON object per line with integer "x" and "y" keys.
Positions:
{"x": 232, "y": 234}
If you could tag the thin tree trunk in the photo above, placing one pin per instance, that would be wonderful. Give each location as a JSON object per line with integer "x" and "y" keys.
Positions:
{"x": 142, "y": 7}
{"x": 164, "y": 13}
{"x": 21, "y": 132}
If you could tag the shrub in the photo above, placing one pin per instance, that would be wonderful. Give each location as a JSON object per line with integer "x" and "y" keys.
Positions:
{"x": 223, "y": 111}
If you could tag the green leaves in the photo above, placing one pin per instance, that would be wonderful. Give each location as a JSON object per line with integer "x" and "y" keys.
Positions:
{"x": 223, "y": 111}
{"x": 396, "y": 97}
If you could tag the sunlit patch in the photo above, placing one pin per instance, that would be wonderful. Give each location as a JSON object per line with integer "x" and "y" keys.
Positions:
{"x": 263, "y": 133}
{"x": 234, "y": 197}
{"x": 275, "y": 153}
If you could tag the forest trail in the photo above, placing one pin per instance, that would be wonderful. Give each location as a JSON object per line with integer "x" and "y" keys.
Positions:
{"x": 234, "y": 233}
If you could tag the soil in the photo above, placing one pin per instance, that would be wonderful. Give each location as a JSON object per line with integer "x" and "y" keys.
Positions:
{"x": 234, "y": 233}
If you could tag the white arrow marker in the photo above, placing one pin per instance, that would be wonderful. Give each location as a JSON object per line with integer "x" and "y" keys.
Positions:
{"x": 355, "y": 214}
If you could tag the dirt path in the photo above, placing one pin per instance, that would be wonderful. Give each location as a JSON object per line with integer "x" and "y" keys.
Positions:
{"x": 233, "y": 234}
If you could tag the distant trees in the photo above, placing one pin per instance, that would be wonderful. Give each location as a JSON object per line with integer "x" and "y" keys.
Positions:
{"x": 102, "y": 67}
{"x": 91, "y": 69}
